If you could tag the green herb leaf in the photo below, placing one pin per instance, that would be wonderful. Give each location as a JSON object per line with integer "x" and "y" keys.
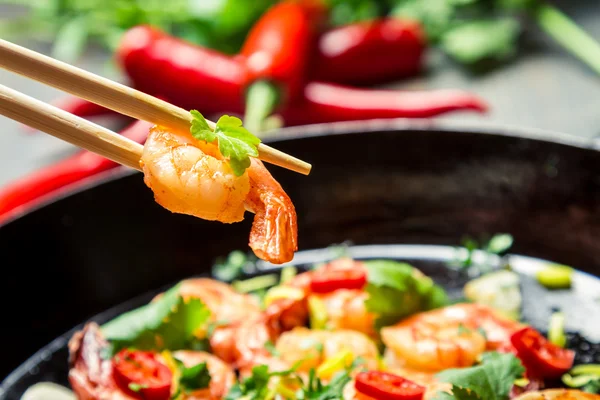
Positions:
{"x": 492, "y": 379}
{"x": 479, "y": 40}
{"x": 436, "y": 16}
{"x": 194, "y": 378}
{"x": 168, "y": 323}
{"x": 234, "y": 141}
{"x": 397, "y": 290}
{"x": 71, "y": 39}
{"x": 230, "y": 268}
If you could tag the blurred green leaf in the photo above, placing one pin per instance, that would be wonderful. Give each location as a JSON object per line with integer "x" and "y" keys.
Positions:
{"x": 71, "y": 39}
{"x": 436, "y": 16}
{"x": 475, "y": 41}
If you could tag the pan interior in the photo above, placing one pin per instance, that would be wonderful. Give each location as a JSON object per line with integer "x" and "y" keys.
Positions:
{"x": 581, "y": 303}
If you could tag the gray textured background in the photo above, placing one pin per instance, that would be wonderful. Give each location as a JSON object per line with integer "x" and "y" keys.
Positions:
{"x": 545, "y": 88}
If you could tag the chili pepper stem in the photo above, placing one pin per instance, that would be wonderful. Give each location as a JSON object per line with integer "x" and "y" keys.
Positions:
{"x": 261, "y": 99}
{"x": 568, "y": 34}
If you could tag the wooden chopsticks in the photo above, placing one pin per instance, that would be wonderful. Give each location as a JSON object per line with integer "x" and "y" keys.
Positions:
{"x": 104, "y": 92}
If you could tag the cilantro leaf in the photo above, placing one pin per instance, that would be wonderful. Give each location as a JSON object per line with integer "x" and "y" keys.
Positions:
{"x": 492, "y": 379}
{"x": 193, "y": 378}
{"x": 397, "y": 290}
{"x": 315, "y": 389}
{"x": 479, "y": 40}
{"x": 234, "y": 141}
{"x": 168, "y": 323}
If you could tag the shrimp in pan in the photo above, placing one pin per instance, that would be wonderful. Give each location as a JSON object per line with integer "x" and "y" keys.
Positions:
{"x": 190, "y": 176}
{"x": 450, "y": 337}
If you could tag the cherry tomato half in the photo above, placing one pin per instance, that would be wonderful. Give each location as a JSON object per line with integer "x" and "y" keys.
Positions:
{"x": 386, "y": 386}
{"x": 140, "y": 374}
{"x": 339, "y": 274}
{"x": 541, "y": 358}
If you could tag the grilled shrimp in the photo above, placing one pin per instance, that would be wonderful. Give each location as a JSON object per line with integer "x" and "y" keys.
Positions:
{"x": 245, "y": 344}
{"x": 189, "y": 176}
{"x": 450, "y": 337}
{"x": 558, "y": 394}
{"x": 222, "y": 376}
{"x": 225, "y": 304}
{"x": 91, "y": 375}
{"x": 344, "y": 308}
{"x": 311, "y": 347}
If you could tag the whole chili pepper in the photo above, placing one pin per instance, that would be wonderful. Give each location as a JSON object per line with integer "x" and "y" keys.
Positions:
{"x": 325, "y": 102}
{"x": 275, "y": 55}
{"x": 82, "y": 165}
{"x": 370, "y": 52}
{"x": 320, "y": 102}
{"x": 190, "y": 76}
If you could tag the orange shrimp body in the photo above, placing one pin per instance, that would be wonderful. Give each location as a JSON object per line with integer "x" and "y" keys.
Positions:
{"x": 191, "y": 177}
{"x": 450, "y": 337}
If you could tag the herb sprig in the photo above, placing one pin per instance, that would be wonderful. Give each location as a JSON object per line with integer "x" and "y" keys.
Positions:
{"x": 234, "y": 141}
{"x": 492, "y": 379}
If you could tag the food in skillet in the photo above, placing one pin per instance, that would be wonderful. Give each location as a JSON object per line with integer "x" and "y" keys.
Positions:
{"x": 368, "y": 330}
{"x": 213, "y": 175}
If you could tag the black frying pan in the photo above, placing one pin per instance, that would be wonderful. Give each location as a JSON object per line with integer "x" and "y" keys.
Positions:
{"x": 375, "y": 183}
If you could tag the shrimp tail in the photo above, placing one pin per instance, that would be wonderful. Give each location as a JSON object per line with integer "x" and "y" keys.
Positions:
{"x": 274, "y": 233}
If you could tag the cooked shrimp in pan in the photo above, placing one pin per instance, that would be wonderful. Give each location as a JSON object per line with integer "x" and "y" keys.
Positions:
{"x": 450, "y": 337}
{"x": 190, "y": 176}
{"x": 313, "y": 347}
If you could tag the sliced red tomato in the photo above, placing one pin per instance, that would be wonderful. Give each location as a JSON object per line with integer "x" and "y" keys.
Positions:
{"x": 339, "y": 274}
{"x": 541, "y": 358}
{"x": 140, "y": 374}
{"x": 386, "y": 386}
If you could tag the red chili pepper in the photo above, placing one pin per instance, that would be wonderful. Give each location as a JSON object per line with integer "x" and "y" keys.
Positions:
{"x": 385, "y": 386}
{"x": 275, "y": 55}
{"x": 370, "y": 52}
{"x": 339, "y": 274}
{"x": 64, "y": 172}
{"x": 541, "y": 358}
{"x": 141, "y": 375}
{"x": 324, "y": 102}
{"x": 184, "y": 74}
{"x": 190, "y": 76}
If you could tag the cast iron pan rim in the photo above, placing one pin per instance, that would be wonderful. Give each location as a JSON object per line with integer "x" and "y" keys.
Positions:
{"x": 339, "y": 128}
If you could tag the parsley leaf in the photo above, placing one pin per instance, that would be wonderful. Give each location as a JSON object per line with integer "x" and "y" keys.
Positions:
{"x": 397, "y": 290}
{"x": 235, "y": 142}
{"x": 479, "y": 40}
{"x": 168, "y": 323}
{"x": 270, "y": 347}
{"x": 193, "y": 378}
{"x": 492, "y": 379}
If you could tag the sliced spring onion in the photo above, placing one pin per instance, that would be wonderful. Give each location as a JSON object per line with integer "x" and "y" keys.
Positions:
{"x": 555, "y": 276}
{"x": 287, "y": 274}
{"x": 556, "y": 331}
{"x": 332, "y": 365}
{"x": 282, "y": 292}
{"x": 317, "y": 312}
{"x": 587, "y": 369}
{"x": 256, "y": 283}
{"x": 578, "y": 381}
